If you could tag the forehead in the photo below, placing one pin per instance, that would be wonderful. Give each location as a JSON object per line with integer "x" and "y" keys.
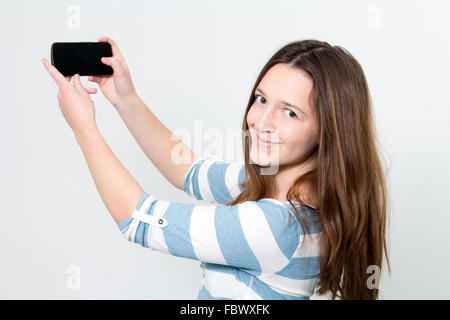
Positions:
{"x": 289, "y": 84}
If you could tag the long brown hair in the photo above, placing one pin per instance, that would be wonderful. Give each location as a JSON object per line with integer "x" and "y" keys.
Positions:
{"x": 348, "y": 180}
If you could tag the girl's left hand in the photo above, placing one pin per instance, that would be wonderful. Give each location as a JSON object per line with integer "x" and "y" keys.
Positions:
{"x": 74, "y": 101}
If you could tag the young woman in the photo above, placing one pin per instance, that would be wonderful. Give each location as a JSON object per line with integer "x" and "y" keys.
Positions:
{"x": 306, "y": 211}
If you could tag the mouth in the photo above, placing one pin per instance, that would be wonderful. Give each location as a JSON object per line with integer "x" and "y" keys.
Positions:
{"x": 265, "y": 143}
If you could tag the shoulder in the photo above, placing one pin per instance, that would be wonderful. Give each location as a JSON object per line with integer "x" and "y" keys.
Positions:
{"x": 271, "y": 219}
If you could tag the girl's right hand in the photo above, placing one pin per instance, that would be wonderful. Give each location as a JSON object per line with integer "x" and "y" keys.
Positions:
{"x": 118, "y": 87}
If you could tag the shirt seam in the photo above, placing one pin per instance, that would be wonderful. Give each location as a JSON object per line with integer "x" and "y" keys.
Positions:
{"x": 300, "y": 240}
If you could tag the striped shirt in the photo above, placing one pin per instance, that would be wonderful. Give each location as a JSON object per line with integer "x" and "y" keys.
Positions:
{"x": 252, "y": 250}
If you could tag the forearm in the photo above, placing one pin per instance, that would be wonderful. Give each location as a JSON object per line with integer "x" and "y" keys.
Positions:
{"x": 166, "y": 151}
{"x": 118, "y": 189}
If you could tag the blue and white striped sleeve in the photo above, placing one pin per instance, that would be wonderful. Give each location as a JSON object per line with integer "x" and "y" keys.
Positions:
{"x": 213, "y": 180}
{"x": 251, "y": 235}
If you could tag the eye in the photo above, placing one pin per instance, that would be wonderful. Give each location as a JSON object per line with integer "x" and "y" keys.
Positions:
{"x": 257, "y": 95}
{"x": 291, "y": 114}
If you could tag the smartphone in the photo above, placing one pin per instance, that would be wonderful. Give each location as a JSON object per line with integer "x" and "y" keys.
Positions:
{"x": 83, "y": 58}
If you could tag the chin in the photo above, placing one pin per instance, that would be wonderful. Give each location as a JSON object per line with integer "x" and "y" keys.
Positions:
{"x": 264, "y": 157}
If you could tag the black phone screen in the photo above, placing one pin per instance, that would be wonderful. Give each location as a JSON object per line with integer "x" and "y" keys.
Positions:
{"x": 83, "y": 58}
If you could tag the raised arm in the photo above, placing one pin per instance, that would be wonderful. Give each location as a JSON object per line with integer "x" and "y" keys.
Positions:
{"x": 214, "y": 180}
{"x": 116, "y": 186}
{"x": 156, "y": 140}
{"x": 255, "y": 235}
{"x": 153, "y": 137}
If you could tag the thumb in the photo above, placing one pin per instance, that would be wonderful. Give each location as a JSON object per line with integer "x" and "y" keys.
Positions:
{"x": 77, "y": 84}
{"x": 94, "y": 79}
{"x": 113, "y": 62}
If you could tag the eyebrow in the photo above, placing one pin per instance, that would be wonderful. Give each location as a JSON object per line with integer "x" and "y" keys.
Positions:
{"x": 283, "y": 102}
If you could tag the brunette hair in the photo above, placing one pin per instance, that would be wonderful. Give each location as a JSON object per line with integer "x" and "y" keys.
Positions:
{"x": 348, "y": 180}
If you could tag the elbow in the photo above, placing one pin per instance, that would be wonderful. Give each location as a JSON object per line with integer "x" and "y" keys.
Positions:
{"x": 119, "y": 218}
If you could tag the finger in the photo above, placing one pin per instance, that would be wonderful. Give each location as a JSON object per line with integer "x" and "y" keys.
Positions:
{"x": 91, "y": 90}
{"x": 94, "y": 79}
{"x": 68, "y": 78}
{"x": 60, "y": 80}
{"x": 77, "y": 84}
{"x": 115, "y": 48}
{"x": 114, "y": 63}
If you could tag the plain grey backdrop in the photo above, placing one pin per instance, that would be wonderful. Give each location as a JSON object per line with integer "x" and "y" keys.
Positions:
{"x": 196, "y": 61}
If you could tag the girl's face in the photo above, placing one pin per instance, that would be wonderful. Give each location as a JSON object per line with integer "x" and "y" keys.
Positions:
{"x": 281, "y": 114}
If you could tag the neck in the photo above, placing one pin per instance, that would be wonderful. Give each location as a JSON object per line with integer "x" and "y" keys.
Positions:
{"x": 285, "y": 178}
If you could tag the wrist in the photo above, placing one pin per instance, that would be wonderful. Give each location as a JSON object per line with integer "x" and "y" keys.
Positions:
{"x": 127, "y": 102}
{"x": 127, "y": 107}
{"x": 86, "y": 134}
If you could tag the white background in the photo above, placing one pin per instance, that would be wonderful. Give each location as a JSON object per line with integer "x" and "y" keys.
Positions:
{"x": 197, "y": 61}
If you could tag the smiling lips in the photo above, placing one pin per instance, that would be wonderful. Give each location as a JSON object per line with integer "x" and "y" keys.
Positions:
{"x": 264, "y": 143}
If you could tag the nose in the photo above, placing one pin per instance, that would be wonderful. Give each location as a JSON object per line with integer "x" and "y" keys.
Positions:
{"x": 266, "y": 122}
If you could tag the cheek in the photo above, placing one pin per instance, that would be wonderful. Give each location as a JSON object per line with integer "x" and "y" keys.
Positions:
{"x": 298, "y": 140}
{"x": 252, "y": 115}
